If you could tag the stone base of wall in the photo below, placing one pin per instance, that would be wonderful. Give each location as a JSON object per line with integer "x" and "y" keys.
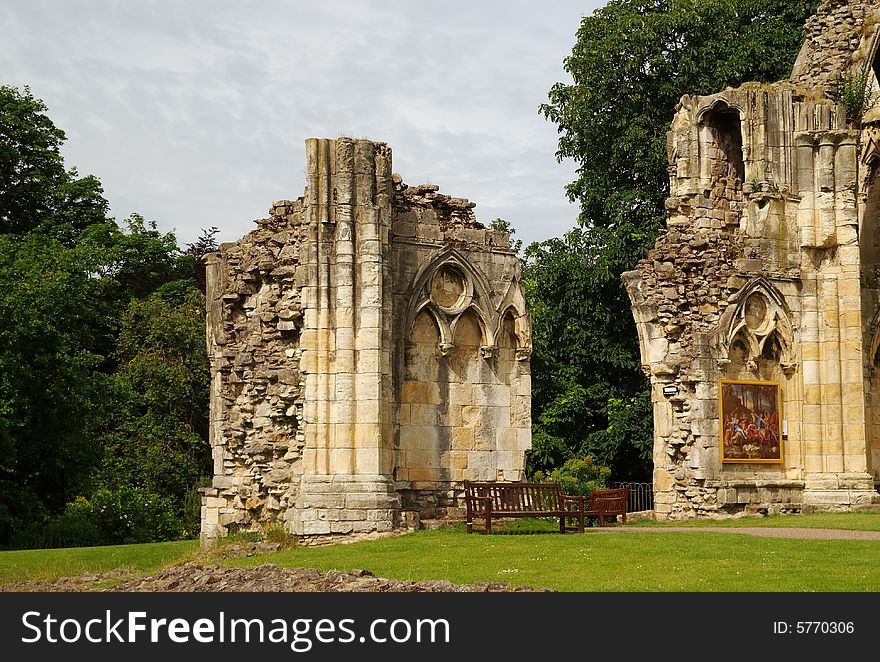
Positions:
{"x": 433, "y": 500}
{"x": 214, "y": 515}
{"x": 721, "y": 499}
{"x": 344, "y": 504}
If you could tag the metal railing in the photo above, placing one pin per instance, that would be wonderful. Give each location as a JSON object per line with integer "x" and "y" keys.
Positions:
{"x": 641, "y": 496}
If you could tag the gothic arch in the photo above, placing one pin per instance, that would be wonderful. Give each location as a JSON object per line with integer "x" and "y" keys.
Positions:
{"x": 439, "y": 318}
{"x": 723, "y": 139}
{"x": 514, "y": 302}
{"x": 759, "y": 318}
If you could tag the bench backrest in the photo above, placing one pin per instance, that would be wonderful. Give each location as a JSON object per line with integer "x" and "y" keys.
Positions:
{"x": 514, "y": 497}
{"x": 612, "y": 501}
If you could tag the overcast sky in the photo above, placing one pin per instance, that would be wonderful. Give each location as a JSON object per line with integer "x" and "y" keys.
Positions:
{"x": 194, "y": 114}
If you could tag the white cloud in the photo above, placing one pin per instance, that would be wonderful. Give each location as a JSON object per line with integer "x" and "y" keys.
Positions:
{"x": 194, "y": 113}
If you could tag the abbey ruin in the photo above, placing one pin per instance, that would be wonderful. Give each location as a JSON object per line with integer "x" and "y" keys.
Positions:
{"x": 369, "y": 348}
{"x": 758, "y": 310}
{"x": 369, "y": 341}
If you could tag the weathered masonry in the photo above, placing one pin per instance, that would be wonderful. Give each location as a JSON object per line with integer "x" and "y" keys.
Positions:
{"x": 369, "y": 348}
{"x": 758, "y": 310}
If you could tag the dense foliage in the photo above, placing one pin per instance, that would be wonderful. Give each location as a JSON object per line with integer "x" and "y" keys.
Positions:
{"x": 103, "y": 373}
{"x": 632, "y": 62}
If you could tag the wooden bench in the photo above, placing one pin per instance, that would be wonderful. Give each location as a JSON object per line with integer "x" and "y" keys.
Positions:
{"x": 493, "y": 500}
{"x": 606, "y": 503}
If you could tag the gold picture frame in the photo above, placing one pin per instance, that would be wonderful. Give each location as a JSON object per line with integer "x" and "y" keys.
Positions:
{"x": 750, "y": 414}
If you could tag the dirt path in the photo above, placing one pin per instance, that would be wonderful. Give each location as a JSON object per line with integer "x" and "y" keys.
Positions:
{"x": 266, "y": 578}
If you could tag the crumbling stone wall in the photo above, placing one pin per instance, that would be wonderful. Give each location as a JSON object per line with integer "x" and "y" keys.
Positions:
{"x": 464, "y": 344}
{"x": 254, "y": 322}
{"x": 370, "y": 347}
{"x": 758, "y": 277}
{"x": 839, "y": 32}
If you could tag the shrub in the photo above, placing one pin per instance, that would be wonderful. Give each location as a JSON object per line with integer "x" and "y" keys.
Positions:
{"x": 856, "y": 94}
{"x": 124, "y": 515}
{"x": 578, "y": 476}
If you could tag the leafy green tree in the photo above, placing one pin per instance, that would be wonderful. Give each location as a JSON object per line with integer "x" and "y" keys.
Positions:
{"x": 585, "y": 353}
{"x": 632, "y": 62}
{"x": 48, "y": 377}
{"x": 155, "y": 435}
{"x": 36, "y": 190}
{"x": 103, "y": 374}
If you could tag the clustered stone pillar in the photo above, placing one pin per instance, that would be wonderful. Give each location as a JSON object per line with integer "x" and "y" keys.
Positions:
{"x": 347, "y": 460}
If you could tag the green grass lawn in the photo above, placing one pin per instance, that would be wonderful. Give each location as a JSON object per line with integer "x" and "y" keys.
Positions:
{"x": 530, "y": 553}
{"x": 598, "y": 562}
{"x": 48, "y": 564}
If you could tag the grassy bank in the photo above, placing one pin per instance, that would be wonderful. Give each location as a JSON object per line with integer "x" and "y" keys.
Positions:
{"x": 643, "y": 561}
{"x": 530, "y": 553}
{"x": 49, "y": 564}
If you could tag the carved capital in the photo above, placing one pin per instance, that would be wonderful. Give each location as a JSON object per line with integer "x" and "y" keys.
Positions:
{"x": 445, "y": 348}
{"x": 487, "y": 351}
{"x": 523, "y": 353}
{"x": 789, "y": 368}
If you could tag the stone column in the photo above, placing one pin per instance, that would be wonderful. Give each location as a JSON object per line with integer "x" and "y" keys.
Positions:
{"x": 835, "y": 436}
{"x": 346, "y": 484}
{"x": 212, "y": 503}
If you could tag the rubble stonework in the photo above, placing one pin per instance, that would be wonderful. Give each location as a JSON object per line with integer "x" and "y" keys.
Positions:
{"x": 369, "y": 348}
{"x": 767, "y": 272}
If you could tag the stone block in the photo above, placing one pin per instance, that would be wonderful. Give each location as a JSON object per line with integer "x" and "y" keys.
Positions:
{"x": 371, "y": 501}
{"x": 369, "y": 460}
{"x": 461, "y": 394}
{"x": 367, "y": 435}
{"x": 403, "y": 229}
{"x": 426, "y": 415}
{"x": 524, "y": 439}
{"x": 316, "y": 527}
{"x": 463, "y": 438}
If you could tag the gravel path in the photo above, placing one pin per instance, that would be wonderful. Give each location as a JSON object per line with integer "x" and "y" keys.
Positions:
{"x": 767, "y": 532}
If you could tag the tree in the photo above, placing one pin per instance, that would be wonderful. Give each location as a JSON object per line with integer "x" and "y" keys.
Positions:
{"x": 49, "y": 380}
{"x": 103, "y": 374}
{"x": 206, "y": 243}
{"x": 155, "y": 435}
{"x": 585, "y": 354}
{"x": 36, "y": 191}
{"x": 632, "y": 62}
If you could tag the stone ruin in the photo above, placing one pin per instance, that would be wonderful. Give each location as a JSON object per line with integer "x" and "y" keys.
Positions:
{"x": 760, "y": 302}
{"x": 369, "y": 348}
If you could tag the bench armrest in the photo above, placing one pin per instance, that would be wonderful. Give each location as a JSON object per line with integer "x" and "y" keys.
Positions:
{"x": 579, "y": 501}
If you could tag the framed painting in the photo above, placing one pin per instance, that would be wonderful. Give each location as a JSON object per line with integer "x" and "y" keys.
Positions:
{"x": 751, "y": 415}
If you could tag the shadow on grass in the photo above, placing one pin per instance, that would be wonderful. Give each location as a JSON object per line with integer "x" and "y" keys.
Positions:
{"x": 522, "y": 527}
